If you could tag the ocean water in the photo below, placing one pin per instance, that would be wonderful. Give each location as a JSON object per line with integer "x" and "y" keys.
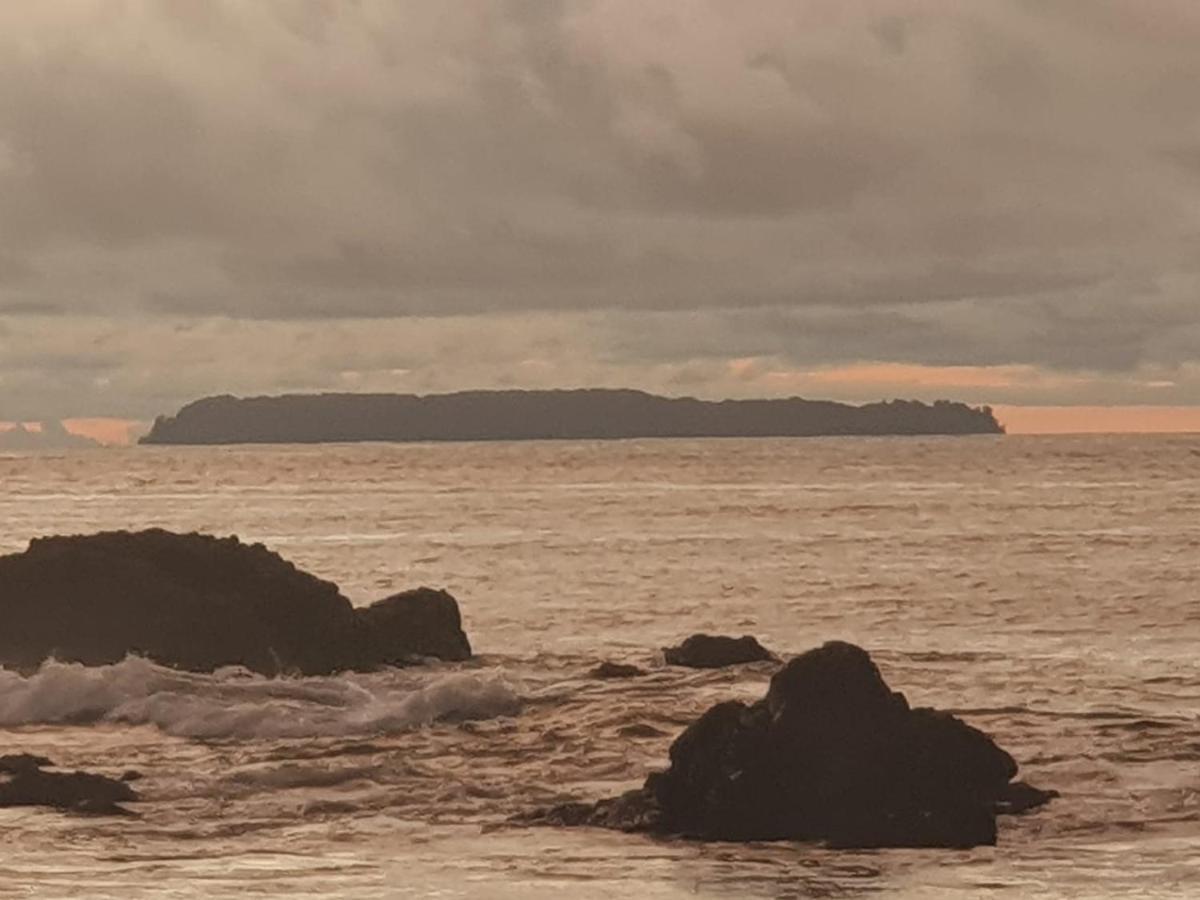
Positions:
{"x": 1044, "y": 588}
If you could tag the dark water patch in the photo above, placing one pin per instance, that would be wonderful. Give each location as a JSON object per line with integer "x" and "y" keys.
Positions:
{"x": 1181, "y": 680}
{"x": 946, "y": 656}
{"x": 321, "y": 809}
{"x": 641, "y": 730}
{"x": 1139, "y": 725}
{"x": 287, "y": 777}
{"x": 303, "y": 751}
{"x": 1192, "y": 754}
{"x": 1118, "y": 718}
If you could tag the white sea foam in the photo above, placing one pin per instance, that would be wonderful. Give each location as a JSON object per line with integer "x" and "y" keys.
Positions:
{"x": 234, "y": 703}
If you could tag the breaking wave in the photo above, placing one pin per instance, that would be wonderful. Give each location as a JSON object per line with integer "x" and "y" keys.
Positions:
{"x": 233, "y": 703}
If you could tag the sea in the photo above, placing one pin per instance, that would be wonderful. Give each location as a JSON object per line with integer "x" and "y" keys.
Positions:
{"x": 1046, "y": 589}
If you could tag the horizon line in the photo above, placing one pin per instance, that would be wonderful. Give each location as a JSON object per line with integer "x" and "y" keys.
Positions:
{"x": 1018, "y": 419}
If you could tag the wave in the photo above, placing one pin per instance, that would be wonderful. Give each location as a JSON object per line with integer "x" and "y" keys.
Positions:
{"x": 235, "y": 704}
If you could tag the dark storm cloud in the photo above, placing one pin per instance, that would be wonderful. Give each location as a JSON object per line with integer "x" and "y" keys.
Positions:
{"x": 643, "y": 191}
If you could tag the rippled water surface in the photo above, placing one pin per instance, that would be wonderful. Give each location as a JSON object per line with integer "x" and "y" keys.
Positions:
{"x": 1043, "y": 588}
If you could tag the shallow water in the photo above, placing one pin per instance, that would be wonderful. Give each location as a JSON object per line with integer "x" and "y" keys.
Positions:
{"x": 1044, "y": 588}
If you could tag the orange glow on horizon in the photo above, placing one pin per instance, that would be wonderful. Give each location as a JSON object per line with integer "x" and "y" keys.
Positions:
{"x": 1099, "y": 419}
{"x": 105, "y": 430}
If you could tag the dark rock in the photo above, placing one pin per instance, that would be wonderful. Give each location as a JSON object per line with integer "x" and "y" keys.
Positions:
{"x": 706, "y": 651}
{"x": 17, "y": 763}
{"x": 23, "y": 783}
{"x": 420, "y": 622}
{"x": 609, "y": 669}
{"x": 831, "y": 753}
{"x": 199, "y": 602}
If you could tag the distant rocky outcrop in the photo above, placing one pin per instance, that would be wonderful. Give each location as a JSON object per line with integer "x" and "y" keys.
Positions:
{"x": 530, "y": 415}
{"x": 198, "y": 602}
{"x": 707, "y": 651}
{"x": 830, "y": 754}
{"x": 24, "y": 782}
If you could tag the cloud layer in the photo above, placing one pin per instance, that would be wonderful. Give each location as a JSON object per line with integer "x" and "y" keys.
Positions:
{"x": 202, "y": 196}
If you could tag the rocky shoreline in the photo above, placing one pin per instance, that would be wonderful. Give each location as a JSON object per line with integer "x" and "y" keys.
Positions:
{"x": 831, "y": 753}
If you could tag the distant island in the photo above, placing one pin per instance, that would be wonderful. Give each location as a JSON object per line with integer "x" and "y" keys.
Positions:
{"x": 588, "y": 414}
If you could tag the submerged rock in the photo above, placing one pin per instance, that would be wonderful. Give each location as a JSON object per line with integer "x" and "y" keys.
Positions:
{"x": 831, "y": 753}
{"x": 199, "y": 602}
{"x": 706, "y": 651}
{"x": 24, "y": 783}
{"x": 609, "y": 669}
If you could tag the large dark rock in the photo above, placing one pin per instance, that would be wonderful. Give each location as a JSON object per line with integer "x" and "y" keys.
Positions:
{"x": 24, "y": 783}
{"x": 831, "y": 753}
{"x": 199, "y": 602}
{"x": 706, "y": 651}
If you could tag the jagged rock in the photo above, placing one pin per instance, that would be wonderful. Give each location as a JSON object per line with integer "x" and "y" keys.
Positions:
{"x": 706, "y": 651}
{"x": 831, "y": 753}
{"x": 609, "y": 669}
{"x": 199, "y": 602}
{"x": 24, "y": 783}
{"x": 420, "y": 622}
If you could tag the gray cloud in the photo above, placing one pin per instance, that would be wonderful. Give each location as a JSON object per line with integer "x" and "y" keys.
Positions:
{"x": 592, "y": 192}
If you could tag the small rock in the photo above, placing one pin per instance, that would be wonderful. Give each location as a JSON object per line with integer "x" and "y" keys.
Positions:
{"x": 705, "y": 651}
{"x": 81, "y": 792}
{"x": 608, "y": 669}
{"x": 420, "y": 622}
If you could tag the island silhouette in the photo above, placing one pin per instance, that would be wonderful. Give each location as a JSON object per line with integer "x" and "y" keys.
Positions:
{"x": 512, "y": 415}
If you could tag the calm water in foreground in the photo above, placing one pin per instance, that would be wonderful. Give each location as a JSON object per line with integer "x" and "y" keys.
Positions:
{"x": 1044, "y": 588}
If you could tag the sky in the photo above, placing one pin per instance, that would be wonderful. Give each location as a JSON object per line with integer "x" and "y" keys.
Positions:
{"x": 995, "y": 201}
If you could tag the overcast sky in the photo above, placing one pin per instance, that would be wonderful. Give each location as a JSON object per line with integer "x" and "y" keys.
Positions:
{"x": 995, "y": 201}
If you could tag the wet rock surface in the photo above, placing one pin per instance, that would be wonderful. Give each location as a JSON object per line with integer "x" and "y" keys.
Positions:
{"x": 414, "y": 623}
{"x": 706, "y": 651}
{"x": 199, "y": 602}
{"x": 24, "y": 782}
{"x": 831, "y": 754}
